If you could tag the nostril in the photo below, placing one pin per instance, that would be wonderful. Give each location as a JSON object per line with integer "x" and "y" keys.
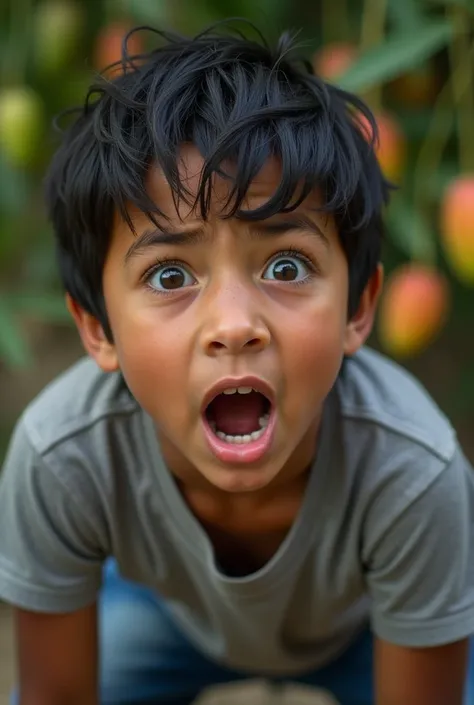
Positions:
{"x": 253, "y": 343}
{"x": 217, "y": 345}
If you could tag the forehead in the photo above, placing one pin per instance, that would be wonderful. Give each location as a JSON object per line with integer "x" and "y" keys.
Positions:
{"x": 183, "y": 224}
{"x": 190, "y": 164}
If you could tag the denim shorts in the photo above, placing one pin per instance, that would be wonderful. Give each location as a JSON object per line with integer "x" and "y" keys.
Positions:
{"x": 146, "y": 659}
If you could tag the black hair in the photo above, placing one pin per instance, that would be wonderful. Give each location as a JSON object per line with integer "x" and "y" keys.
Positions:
{"x": 236, "y": 99}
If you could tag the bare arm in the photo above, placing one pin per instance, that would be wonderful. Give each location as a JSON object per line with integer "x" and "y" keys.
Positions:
{"x": 57, "y": 657}
{"x": 434, "y": 676}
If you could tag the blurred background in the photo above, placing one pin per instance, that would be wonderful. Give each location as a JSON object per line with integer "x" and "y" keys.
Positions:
{"x": 412, "y": 60}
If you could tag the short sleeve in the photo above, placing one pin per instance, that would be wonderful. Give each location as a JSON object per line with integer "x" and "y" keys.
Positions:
{"x": 50, "y": 552}
{"x": 420, "y": 570}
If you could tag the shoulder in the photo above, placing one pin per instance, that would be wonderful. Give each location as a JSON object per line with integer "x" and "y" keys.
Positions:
{"x": 74, "y": 441}
{"x": 396, "y": 442}
{"x": 380, "y": 398}
{"x": 57, "y": 518}
{"x": 74, "y": 402}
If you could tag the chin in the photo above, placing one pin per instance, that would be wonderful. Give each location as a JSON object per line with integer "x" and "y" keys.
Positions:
{"x": 236, "y": 480}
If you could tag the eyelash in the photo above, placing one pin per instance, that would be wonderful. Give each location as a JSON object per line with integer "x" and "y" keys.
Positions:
{"x": 147, "y": 275}
{"x": 297, "y": 253}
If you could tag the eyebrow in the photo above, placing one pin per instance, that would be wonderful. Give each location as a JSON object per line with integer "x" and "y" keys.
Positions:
{"x": 152, "y": 238}
{"x": 258, "y": 230}
{"x": 293, "y": 221}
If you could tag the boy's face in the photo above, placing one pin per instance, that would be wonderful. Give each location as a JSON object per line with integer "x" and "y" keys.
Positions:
{"x": 205, "y": 306}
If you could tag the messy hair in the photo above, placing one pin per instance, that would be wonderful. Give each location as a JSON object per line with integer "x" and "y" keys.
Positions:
{"x": 238, "y": 100}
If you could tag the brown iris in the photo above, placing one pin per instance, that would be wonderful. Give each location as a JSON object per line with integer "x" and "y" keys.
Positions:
{"x": 285, "y": 270}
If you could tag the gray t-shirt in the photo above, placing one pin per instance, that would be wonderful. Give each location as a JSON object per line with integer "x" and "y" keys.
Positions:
{"x": 385, "y": 532}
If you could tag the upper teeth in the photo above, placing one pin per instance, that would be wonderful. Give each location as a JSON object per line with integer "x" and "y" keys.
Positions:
{"x": 238, "y": 390}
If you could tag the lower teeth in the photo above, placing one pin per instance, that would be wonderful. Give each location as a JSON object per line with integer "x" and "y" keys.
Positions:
{"x": 248, "y": 437}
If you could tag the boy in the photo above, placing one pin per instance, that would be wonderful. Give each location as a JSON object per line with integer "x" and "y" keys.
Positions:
{"x": 269, "y": 497}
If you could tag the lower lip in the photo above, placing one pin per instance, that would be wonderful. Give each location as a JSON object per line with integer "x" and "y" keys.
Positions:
{"x": 242, "y": 453}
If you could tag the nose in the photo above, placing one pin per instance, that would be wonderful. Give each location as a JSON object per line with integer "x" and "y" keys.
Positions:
{"x": 233, "y": 324}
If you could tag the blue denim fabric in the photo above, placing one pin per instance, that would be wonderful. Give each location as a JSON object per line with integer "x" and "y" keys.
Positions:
{"x": 147, "y": 660}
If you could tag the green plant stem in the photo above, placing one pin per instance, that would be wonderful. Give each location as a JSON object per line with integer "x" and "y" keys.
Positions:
{"x": 16, "y": 54}
{"x": 372, "y": 33}
{"x": 462, "y": 83}
{"x": 438, "y": 131}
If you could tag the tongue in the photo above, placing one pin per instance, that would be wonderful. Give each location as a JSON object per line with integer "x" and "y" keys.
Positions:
{"x": 237, "y": 414}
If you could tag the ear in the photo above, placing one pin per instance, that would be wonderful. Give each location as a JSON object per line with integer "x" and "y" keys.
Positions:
{"x": 93, "y": 337}
{"x": 360, "y": 326}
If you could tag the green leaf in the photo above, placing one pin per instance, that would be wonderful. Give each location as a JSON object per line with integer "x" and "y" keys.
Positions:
{"x": 436, "y": 182}
{"x": 14, "y": 350}
{"x": 154, "y": 13}
{"x": 395, "y": 56}
{"x": 405, "y": 13}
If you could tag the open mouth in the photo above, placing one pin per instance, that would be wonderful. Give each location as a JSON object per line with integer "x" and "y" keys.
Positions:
{"x": 239, "y": 415}
{"x": 239, "y": 423}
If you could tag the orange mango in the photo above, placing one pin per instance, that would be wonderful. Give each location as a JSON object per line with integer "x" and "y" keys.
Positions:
{"x": 108, "y": 46}
{"x": 392, "y": 145}
{"x": 457, "y": 227}
{"x": 334, "y": 59}
{"x": 413, "y": 309}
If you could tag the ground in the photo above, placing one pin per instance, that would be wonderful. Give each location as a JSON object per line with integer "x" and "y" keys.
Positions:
{"x": 250, "y": 694}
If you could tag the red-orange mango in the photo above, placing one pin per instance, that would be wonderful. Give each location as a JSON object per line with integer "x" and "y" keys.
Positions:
{"x": 457, "y": 227}
{"x": 392, "y": 145}
{"x": 108, "y": 46}
{"x": 413, "y": 310}
{"x": 334, "y": 59}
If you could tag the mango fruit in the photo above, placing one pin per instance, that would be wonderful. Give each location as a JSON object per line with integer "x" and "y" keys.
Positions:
{"x": 413, "y": 309}
{"x": 392, "y": 145}
{"x": 58, "y": 26}
{"x": 22, "y": 124}
{"x": 457, "y": 227}
{"x": 108, "y": 45}
{"x": 334, "y": 59}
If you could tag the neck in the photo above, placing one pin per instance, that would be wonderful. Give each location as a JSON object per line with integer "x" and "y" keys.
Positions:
{"x": 282, "y": 490}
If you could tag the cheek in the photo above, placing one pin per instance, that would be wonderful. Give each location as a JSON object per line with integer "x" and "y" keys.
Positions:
{"x": 317, "y": 348}
{"x": 314, "y": 345}
{"x": 153, "y": 357}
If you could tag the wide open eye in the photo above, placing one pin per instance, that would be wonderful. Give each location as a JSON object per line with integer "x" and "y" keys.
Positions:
{"x": 170, "y": 277}
{"x": 287, "y": 268}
